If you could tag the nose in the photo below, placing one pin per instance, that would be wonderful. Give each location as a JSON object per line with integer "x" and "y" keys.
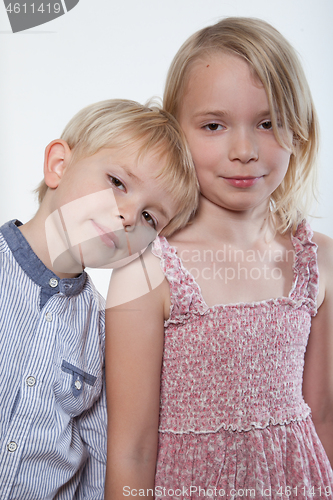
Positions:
{"x": 243, "y": 146}
{"x": 128, "y": 219}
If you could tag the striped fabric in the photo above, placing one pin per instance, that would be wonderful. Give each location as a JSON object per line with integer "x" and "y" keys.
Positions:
{"x": 52, "y": 398}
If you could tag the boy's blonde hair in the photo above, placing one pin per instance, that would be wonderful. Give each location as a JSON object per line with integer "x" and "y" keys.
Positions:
{"x": 119, "y": 123}
{"x": 274, "y": 61}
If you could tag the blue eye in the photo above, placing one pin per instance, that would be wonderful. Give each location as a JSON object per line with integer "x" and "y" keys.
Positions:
{"x": 117, "y": 183}
{"x": 148, "y": 218}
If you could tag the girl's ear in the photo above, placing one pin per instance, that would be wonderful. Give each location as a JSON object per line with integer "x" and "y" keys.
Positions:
{"x": 57, "y": 158}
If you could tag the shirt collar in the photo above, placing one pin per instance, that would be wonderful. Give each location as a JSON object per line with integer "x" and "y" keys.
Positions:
{"x": 34, "y": 267}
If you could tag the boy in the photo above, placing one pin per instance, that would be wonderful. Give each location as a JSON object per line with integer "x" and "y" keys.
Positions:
{"x": 112, "y": 182}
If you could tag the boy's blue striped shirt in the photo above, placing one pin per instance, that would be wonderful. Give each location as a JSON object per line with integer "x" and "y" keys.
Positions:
{"x": 52, "y": 407}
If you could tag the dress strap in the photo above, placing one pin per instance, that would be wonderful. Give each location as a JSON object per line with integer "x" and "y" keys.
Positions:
{"x": 185, "y": 294}
{"x": 186, "y": 297}
{"x": 306, "y": 284}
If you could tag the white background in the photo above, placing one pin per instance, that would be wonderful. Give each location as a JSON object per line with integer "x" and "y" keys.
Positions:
{"x": 105, "y": 49}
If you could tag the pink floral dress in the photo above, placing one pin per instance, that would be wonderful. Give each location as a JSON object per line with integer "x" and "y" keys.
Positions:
{"x": 233, "y": 422}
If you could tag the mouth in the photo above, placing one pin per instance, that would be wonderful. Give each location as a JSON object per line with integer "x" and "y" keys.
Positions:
{"x": 107, "y": 236}
{"x": 242, "y": 182}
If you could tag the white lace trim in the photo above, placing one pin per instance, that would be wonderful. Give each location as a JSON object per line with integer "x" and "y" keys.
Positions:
{"x": 239, "y": 427}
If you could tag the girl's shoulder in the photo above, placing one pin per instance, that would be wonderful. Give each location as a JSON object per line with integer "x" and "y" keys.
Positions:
{"x": 325, "y": 244}
{"x": 325, "y": 251}
{"x": 325, "y": 264}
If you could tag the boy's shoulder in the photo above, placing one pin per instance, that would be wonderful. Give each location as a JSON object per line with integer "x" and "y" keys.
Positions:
{"x": 24, "y": 264}
{"x": 6, "y": 229}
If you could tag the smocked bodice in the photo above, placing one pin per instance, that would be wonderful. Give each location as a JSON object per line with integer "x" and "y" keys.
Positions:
{"x": 236, "y": 366}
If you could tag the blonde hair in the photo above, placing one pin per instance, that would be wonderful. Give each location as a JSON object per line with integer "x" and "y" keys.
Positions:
{"x": 122, "y": 123}
{"x": 274, "y": 61}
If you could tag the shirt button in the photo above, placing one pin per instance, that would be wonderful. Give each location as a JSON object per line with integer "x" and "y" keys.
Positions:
{"x": 48, "y": 316}
{"x": 31, "y": 381}
{"x": 53, "y": 282}
{"x": 12, "y": 446}
{"x": 78, "y": 384}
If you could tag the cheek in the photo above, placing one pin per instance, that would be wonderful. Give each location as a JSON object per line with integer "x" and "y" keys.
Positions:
{"x": 276, "y": 159}
{"x": 197, "y": 147}
{"x": 282, "y": 163}
{"x": 206, "y": 157}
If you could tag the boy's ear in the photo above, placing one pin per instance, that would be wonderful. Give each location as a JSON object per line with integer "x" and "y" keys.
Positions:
{"x": 57, "y": 158}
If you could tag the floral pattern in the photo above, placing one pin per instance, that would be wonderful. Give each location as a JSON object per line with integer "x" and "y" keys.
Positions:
{"x": 232, "y": 414}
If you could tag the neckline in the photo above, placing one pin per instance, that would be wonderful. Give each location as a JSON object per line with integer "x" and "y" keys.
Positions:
{"x": 35, "y": 269}
{"x": 278, "y": 300}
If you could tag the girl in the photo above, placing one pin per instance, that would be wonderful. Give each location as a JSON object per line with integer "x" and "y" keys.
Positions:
{"x": 240, "y": 296}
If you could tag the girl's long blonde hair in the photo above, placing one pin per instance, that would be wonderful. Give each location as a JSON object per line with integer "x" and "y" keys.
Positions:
{"x": 274, "y": 61}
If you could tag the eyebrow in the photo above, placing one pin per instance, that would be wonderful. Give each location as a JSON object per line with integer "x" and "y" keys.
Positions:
{"x": 130, "y": 174}
{"x": 218, "y": 114}
{"x": 222, "y": 114}
{"x": 264, "y": 112}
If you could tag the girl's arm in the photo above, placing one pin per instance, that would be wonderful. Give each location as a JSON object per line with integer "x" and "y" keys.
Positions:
{"x": 318, "y": 369}
{"x": 138, "y": 302}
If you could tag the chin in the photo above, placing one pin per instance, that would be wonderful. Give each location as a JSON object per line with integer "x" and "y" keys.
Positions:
{"x": 242, "y": 205}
